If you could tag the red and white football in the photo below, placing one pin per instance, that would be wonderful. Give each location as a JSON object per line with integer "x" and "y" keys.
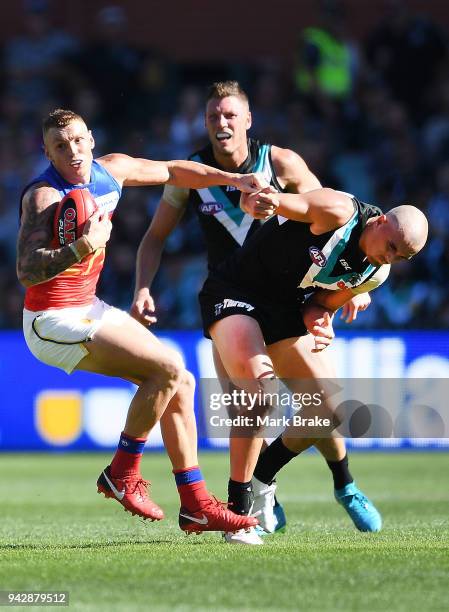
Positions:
{"x": 71, "y": 215}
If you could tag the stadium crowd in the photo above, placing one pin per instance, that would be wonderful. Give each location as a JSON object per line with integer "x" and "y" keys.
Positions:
{"x": 376, "y": 124}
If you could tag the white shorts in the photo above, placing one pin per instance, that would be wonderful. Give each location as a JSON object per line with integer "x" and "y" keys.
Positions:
{"x": 57, "y": 336}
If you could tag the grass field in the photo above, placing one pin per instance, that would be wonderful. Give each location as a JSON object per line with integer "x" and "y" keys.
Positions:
{"x": 57, "y": 534}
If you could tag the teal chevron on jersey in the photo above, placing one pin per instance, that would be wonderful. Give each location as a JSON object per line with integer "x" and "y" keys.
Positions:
{"x": 261, "y": 163}
{"x": 225, "y": 227}
{"x": 233, "y": 212}
{"x": 324, "y": 274}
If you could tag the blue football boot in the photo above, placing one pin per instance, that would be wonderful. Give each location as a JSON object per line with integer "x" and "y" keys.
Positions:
{"x": 279, "y": 513}
{"x": 362, "y": 511}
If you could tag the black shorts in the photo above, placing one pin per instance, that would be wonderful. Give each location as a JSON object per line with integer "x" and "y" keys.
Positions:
{"x": 277, "y": 320}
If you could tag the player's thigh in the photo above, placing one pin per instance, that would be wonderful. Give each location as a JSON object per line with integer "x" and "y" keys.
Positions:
{"x": 306, "y": 372}
{"x": 239, "y": 342}
{"x": 130, "y": 351}
{"x": 293, "y": 358}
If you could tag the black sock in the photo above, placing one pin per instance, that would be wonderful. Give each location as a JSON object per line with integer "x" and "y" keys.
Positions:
{"x": 340, "y": 472}
{"x": 272, "y": 460}
{"x": 240, "y": 496}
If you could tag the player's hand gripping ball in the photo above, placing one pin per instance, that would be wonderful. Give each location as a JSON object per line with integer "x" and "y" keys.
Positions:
{"x": 71, "y": 215}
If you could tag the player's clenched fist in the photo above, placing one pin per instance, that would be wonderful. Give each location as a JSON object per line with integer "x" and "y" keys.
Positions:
{"x": 250, "y": 183}
{"x": 260, "y": 205}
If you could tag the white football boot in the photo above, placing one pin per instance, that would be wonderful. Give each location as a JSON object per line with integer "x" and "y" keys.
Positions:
{"x": 249, "y": 537}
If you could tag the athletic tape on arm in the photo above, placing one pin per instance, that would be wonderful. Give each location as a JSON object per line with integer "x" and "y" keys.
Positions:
{"x": 176, "y": 196}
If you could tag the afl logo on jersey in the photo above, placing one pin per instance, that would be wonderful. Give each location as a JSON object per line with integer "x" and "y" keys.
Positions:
{"x": 317, "y": 256}
{"x": 211, "y": 208}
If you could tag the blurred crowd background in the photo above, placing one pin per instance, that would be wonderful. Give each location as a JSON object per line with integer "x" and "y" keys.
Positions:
{"x": 369, "y": 115}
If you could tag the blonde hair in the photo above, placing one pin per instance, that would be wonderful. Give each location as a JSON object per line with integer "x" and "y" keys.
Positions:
{"x": 59, "y": 118}
{"x": 223, "y": 89}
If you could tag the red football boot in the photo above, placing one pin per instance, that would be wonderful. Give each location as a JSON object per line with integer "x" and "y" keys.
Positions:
{"x": 214, "y": 516}
{"x": 131, "y": 492}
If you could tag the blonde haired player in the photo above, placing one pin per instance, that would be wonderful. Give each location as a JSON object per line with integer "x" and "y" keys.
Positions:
{"x": 67, "y": 326}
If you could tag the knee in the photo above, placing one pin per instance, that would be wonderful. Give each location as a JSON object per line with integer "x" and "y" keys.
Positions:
{"x": 185, "y": 393}
{"x": 188, "y": 382}
{"x": 171, "y": 370}
{"x": 186, "y": 386}
{"x": 253, "y": 369}
{"x": 262, "y": 384}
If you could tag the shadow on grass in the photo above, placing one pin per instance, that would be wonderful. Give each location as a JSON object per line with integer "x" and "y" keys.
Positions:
{"x": 85, "y": 545}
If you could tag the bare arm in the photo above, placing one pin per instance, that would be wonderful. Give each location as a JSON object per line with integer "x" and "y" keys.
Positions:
{"x": 324, "y": 209}
{"x": 135, "y": 172}
{"x": 332, "y": 300}
{"x": 149, "y": 254}
{"x": 36, "y": 261}
{"x": 292, "y": 171}
{"x": 150, "y": 249}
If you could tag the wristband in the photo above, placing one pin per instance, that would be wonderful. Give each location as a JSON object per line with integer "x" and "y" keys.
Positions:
{"x": 91, "y": 248}
{"x": 75, "y": 251}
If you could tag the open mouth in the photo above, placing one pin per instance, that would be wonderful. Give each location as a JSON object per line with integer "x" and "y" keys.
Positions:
{"x": 223, "y": 136}
{"x": 76, "y": 164}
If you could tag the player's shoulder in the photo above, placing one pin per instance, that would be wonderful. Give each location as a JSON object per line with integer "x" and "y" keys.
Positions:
{"x": 39, "y": 196}
{"x": 287, "y": 162}
{"x": 285, "y": 156}
{"x": 112, "y": 161}
{"x": 329, "y": 208}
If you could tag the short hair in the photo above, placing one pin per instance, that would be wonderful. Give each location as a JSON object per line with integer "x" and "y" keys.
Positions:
{"x": 59, "y": 118}
{"x": 223, "y": 89}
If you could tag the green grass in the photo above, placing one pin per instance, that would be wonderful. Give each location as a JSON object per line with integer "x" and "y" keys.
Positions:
{"x": 57, "y": 534}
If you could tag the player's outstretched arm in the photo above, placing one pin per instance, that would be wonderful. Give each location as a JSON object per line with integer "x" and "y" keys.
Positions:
{"x": 135, "y": 172}
{"x": 36, "y": 262}
{"x": 293, "y": 176}
{"x": 148, "y": 259}
{"x": 324, "y": 209}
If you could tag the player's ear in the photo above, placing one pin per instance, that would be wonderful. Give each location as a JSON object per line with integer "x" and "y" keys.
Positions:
{"x": 249, "y": 120}
{"x": 92, "y": 141}
{"x": 382, "y": 219}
